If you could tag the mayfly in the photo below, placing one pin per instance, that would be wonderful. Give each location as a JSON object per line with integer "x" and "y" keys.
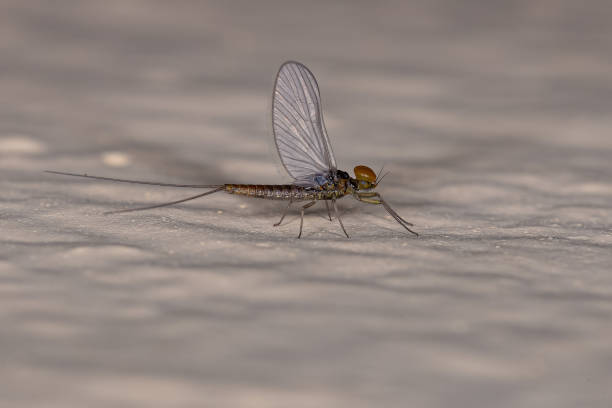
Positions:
{"x": 305, "y": 152}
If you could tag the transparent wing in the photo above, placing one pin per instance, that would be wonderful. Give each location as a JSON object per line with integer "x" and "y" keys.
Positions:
{"x": 297, "y": 122}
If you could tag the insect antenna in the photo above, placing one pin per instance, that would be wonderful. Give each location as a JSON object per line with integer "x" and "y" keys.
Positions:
{"x": 382, "y": 177}
{"x": 150, "y": 183}
{"x": 150, "y": 207}
{"x": 380, "y": 171}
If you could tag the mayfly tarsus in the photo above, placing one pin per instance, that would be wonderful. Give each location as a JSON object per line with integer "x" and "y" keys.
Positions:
{"x": 305, "y": 152}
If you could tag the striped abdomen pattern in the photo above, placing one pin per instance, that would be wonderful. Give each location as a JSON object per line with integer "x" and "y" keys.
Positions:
{"x": 282, "y": 192}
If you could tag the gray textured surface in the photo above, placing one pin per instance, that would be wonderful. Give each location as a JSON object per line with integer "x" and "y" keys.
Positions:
{"x": 495, "y": 123}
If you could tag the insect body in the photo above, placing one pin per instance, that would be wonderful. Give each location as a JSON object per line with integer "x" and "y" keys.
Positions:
{"x": 305, "y": 152}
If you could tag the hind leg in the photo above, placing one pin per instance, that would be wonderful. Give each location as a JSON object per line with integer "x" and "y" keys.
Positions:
{"x": 284, "y": 213}
{"x": 310, "y": 204}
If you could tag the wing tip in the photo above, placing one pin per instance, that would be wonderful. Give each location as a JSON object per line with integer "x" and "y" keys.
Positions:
{"x": 297, "y": 64}
{"x": 290, "y": 62}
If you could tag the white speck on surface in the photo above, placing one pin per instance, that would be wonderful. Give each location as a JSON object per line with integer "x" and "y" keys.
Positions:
{"x": 116, "y": 159}
{"x": 20, "y": 144}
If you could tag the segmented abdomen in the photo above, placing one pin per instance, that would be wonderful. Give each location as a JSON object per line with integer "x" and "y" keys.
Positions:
{"x": 281, "y": 192}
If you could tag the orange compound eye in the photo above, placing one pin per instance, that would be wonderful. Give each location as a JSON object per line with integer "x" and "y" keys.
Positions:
{"x": 364, "y": 173}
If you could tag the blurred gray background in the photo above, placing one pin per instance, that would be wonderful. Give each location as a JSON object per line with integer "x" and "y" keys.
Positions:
{"x": 493, "y": 117}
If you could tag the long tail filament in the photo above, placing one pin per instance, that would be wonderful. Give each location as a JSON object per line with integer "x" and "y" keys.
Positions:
{"x": 150, "y": 207}
{"x": 215, "y": 187}
{"x": 151, "y": 183}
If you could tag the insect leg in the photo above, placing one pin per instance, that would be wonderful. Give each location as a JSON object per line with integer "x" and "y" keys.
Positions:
{"x": 370, "y": 200}
{"x": 310, "y": 204}
{"x": 284, "y": 213}
{"x": 328, "y": 212}
{"x": 365, "y": 197}
{"x": 338, "y": 217}
{"x": 371, "y": 194}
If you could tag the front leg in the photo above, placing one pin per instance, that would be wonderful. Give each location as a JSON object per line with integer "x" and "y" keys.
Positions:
{"x": 369, "y": 200}
{"x": 375, "y": 198}
{"x": 370, "y": 194}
